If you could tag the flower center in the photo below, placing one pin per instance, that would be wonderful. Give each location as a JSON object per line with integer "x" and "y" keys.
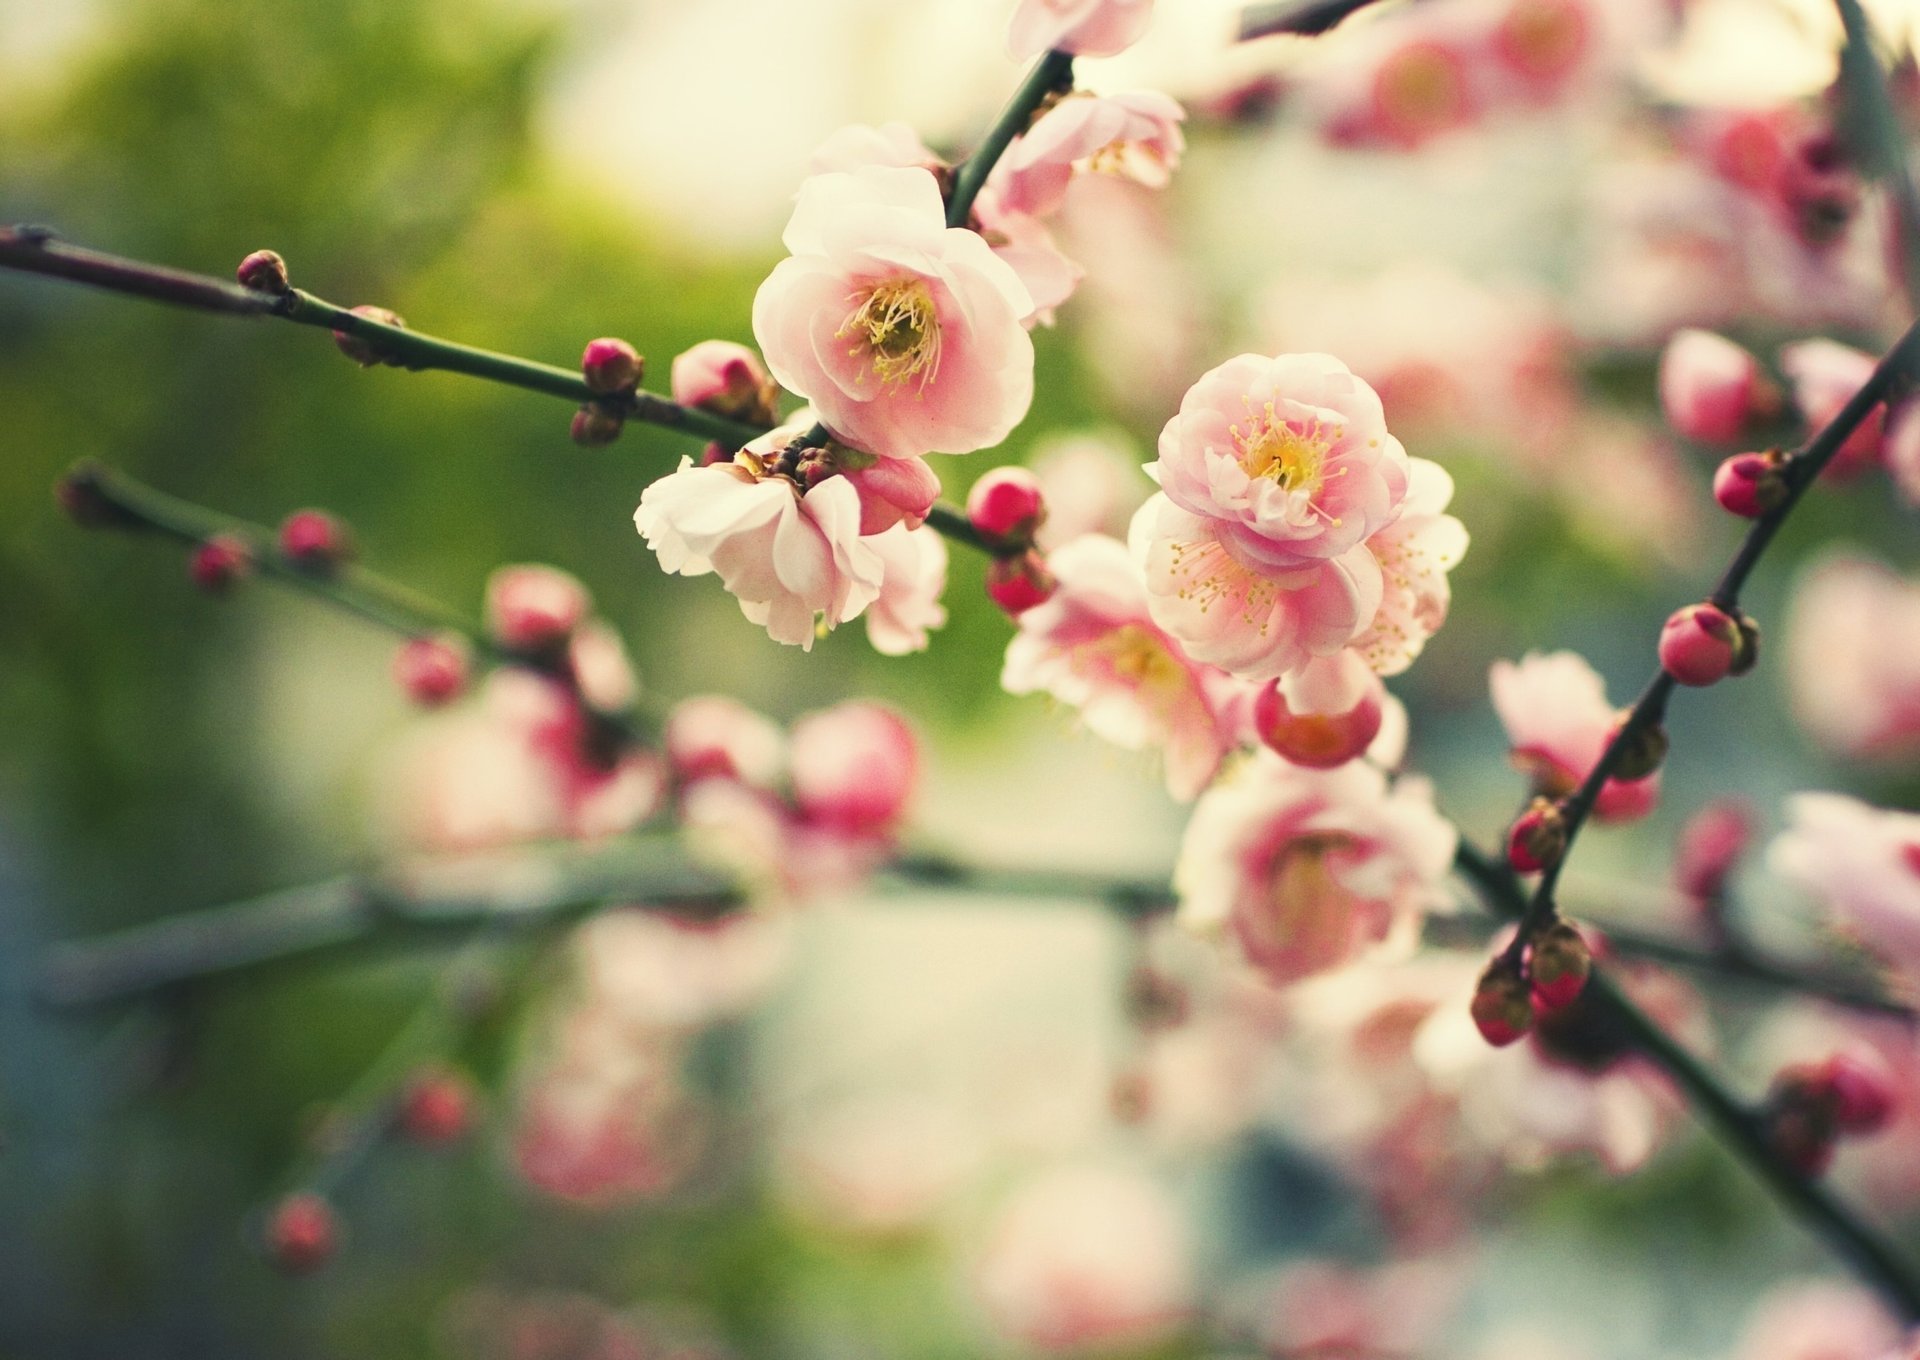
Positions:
{"x": 896, "y": 331}
{"x": 1141, "y": 659}
{"x": 1296, "y": 459}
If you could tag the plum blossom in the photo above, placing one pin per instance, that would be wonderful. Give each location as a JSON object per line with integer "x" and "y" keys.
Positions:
{"x": 1852, "y": 647}
{"x": 913, "y": 575}
{"x": 1308, "y": 868}
{"x": 712, "y": 736}
{"x": 1091, "y": 483}
{"x": 1554, "y": 707}
{"x": 1086, "y": 28}
{"x": 1415, "y": 553}
{"x": 1095, "y": 647}
{"x": 892, "y": 491}
{"x": 859, "y": 145}
{"x": 534, "y": 606}
{"x": 1135, "y": 135}
{"x": 790, "y": 556}
{"x": 905, "y": 334}
{"x": 1710, "y": 388}
{"x": 1862, "y": 864}
{"x": 1824, "y": 374}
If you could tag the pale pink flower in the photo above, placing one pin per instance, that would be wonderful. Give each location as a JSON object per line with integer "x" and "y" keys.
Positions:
{"x": 1862, "y": 864}
{"x": 1094, "y": 647}
{"x": 719, "y": 375}
{"x": 1415, "y": 553}
{"x": 1086, "y": 28}
{"x": 790, "y": 557}
{"x": 1710, "y": 388}
{"x": 854, "y": 768}
{"x": 1091, "y": 483}
{"x": 1554, "y": 707}
{"x": 1308, "y": 868}
{"x": 1288, "y": 459}
{"x": 1852, "y": 648}
{"x": 712, "y": 736}
{"x": 892, "y": 491}
{"x": 904, "y": 333}
{"x": 601, "y": 668}
{"x": 1326, "y": 713}
{"x": 1818, "y": 1320}
{"x": 534, "y": 607}
{"x": 1323, "y": 1308}
{"x": 1086, "y": 1256}
{"x": 1824, "y": 375}
{"x": 652, "y": 970}
{"x": 877, "y": 1165}
{"x": 913, "y": 576}
{"x": 1024, "y": 243}
{"x": 1135, "y": 135}
{"x": 859, "y": 145}
{"x": 777, "y": 854}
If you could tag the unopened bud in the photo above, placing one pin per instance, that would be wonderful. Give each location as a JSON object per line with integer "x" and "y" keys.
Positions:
{"x": 302, "y": 1233}
{"x": 1558, "y": 965}
{"x": 611, "y": 366}
{"x": 593, "y": 427}
{"x": 1710, "y": 846}
{"x": 1701, "y": 645}
{"x": 365, "y": 350}
{"x": 1642, "y": 753}
{"x": 534, "y": 608}
{"x": 219, "y": 562}
{"x": 1007, "y": 504}
{"x": 1709, "y": 386}
{"x": 436, "y": 1108}
{"x": 83, "y": 496}
{"x": 264, "y": 272}
{"x": 1538, "y": 837}
{"x": 1323, "y": 715}
{"x": 1750, "y": 484}
{"x": 1020, "y": 582}
{"x": 1863, "y": 1091}
{"x": 432, "y": 670}
{"x": 1502, "y": 1006}
{"x": 314, "y": 541}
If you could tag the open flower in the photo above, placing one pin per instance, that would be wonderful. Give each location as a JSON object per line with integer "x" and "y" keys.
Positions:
{"x": 1554, "y": 707}
{"x": 1087, "y": 28}
{"x": 1852, "y": 646}
{"x": 1415, "y": 553}
{"x": 904, "y": 333}
{"x": 913, "y": 575}
{"x": 1863, "y": 864}
{"x": 1308, "y": 868}
{"x": 1135, "y": 135}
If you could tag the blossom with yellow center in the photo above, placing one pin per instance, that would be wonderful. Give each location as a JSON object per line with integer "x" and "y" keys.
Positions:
{"x": 897, "y": 332}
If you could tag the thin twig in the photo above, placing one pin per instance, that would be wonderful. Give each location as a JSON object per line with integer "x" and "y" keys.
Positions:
{"x": 1301, "y": 18}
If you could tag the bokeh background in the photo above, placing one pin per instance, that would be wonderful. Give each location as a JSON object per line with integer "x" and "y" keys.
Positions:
{"x": 526, "y": 176}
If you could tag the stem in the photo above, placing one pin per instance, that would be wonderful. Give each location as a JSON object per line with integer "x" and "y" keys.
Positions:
{"x": 1303, "y": 18}
{"x": 1875, "y": 122}
{"x": 1054, "y": 71}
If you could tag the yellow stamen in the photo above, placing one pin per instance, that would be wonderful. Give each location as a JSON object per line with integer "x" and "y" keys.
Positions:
{"x": 897, "y": 332}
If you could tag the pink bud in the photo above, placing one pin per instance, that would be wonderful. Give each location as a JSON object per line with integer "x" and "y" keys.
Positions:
{"x": 533, "y": 608}
{"x": 314, "y": 540}
{"x": 593, "y": 427}
{"x": 436, "y": 1108}
{"x": 1700, "y": 645}
{"x": 1863, "y": 1091}
{"x": 1538, "y": 837}
{"x": 1006, "y": 504}
{"x": 1709, "y": 386}
{"x": 893, "y": 491}
{"x": 219, "y": 562}
{"x": 1325, "y": 714}
{"x": 713, "y": 737}
{"x": 1749, "y": 484}
{"x": 362, "y": 350}
{"x": 854, "y": 767}
{"x": 1502, "y": 1004}
{"x": 302, "y": 1233}
{"x": 263, "y": 272}
{"x": 85, "y": 500}
{"x": 1711, "y": 844}
{"x": 1558, "y": 965}
{"x": 432, "y": 670}
{"x": 725, "y": 378}
{"x": 1019, "y": 583}
{"x": 611, "y": 366}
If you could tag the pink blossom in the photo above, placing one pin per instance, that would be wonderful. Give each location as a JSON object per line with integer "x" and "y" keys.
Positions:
{"x": 1554, "y": 707}
{"x": 1818, "y": 1320}
{"x": 790, "y": 557}
{"x": 602, "y": 671}
{"x": 859, "y": 145}
{"x": 1862, "y": 864}
{"x": 1321, "y": 1308}
{"x": 533, "y": 607}
{"x": 1086, "y": 1256}
{"x": 1710, "y": 388}
{"x": 1308, "y": 868}
{"x": 645, "y": 969}
{"x": 1134, "y": 135}
{"x": 1086, "y": 28}
{"x": 1027, "y": 247}
{"x": 904, "y": 333}
{"x": 1824, "y": 375}
{"x": 893, "y": 491}
{"x": 1324, "y": 714}
{"x": 1852, "y": 647}
{"x": 719, "y": 375}
{"x": 913, "y": 576}
{"x": 1095, "y": 647}
{"x": 1415, "y": 552}
{"x": 1091, "y": 483}
{"x": 855, "y": 768}
{"x": 711, "y": 736}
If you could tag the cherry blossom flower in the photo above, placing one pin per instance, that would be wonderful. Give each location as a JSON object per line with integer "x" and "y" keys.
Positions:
{"x": 1091, "y": 483}
{"x": 533, "y": 606}
{"x": 1862, "y": 864}
{"x": 1308, "y": 868}
{"x": 1852, "y": 648}
{"x": 892, "y": 491}
{"x": 1135, "y": 135}
{"x": 790, "y": 557}
{"x": 1086, "y": 28}
{"x": 913, "y": 576}
{"x": 1415, "y": 553}
{"x": 859, "y": 145}
{"x": 712, "y": 736}
{"x": 1095, "y": 647}
{"x": 1554, "y": 707}
{"x": 904, "y": 333}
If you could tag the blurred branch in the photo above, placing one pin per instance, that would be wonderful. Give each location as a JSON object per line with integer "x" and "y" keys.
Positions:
{"x": 1302, "y": 18}
{"x": 1873, "y": 126}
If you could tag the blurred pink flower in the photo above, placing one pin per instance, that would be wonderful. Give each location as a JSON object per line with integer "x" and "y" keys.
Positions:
{"x": 1862, "y": 864}
{"x": 533, "y": 607}
{"x": 1308, "y": 868}
{"x": 1135, "y": 135}
{"x": 1824, "y": 375}
{"x": 855, "y": 767}
{"x": 1818, "y": 1320}
{"x": 859, "y": 145}
{"x": 913, "y": 576}
{"x": 1091, "y": 483}
{"x": 1852, "y": 647}
{"x": 1415, "y": 553}
{"x": 1086, "y": 28}
{"x": 1325, "y": 1308}
{"x": 1554, "y": 707}
{"x": 713, "y": 736}
{"x": 904, "y": 333}
{"x": 1710, "y": 388}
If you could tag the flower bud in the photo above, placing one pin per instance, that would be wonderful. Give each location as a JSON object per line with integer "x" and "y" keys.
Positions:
{"x": 302, "y": 1233}
{"x": 611, "y": 366}
{"x": 86, "y": 502}
{"x": 534, "y": 608}
{"x": 727, "y": 379}
{"x": 1750, "y": 484}
{"x": 1710, "y": 387}
{"x": 1862, "y": 1089}
{"x": 432, "y": 670}
{"x": 1502, "y": 1006}
{"x": 264, "y": 272}
{"x": 364, "y": 350}
{"x": 710, "y": 736}
{"x": 219, "y": 562}
{"x": 1558, "y": 965}
{"x": 1020, "y": 582}
{"x": 436, "y": 1108}
{"x": 1006, "y": 504}
{"x": 854, "y": 768}
{"x": 1322, "y": 715}
{"x": 1701, "y": 644}
{"x": 593, "y": 427}
{"x": 1645, "y": 748}
{"x": 1710, "y": 846}
{"x": 1538, "y": 838}
{"x": 314, "y": 541}
{"x": 1799, "y": 1120}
